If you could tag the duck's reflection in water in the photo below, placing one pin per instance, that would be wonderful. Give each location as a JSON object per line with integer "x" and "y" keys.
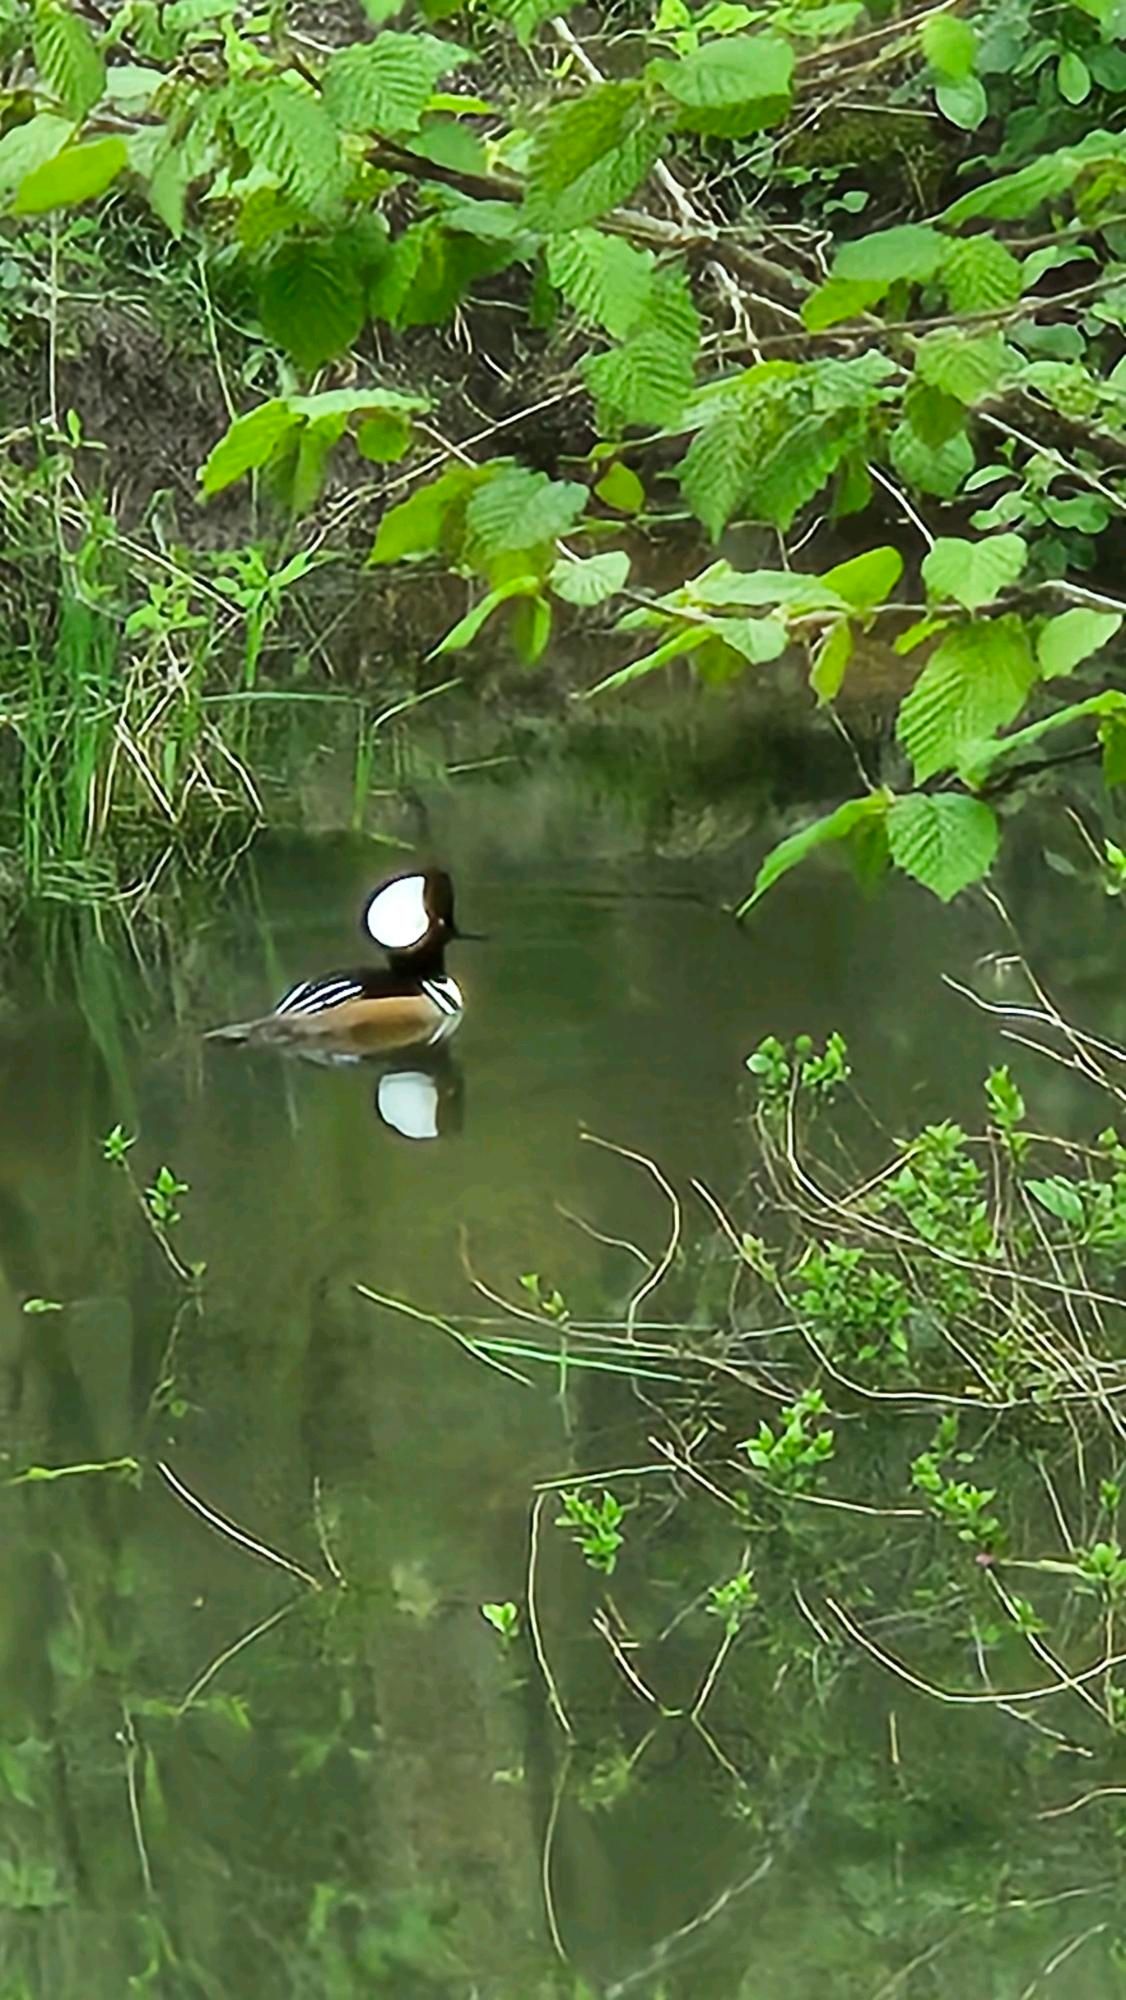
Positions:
{"x": 423, "y": 1097}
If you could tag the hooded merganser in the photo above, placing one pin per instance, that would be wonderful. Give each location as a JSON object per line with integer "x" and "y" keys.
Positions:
{"x": 411, "y": 999}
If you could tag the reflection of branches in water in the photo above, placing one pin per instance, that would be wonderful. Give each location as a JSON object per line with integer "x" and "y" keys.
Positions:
{"x": 228, "y": 1529}
{"x": 687, "y": 1937}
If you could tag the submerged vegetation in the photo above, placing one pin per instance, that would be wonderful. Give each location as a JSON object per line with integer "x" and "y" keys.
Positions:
{"x": 519, "y": 298}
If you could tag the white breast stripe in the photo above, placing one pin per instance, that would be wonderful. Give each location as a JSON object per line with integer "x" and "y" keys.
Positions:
{"x": 313, "y": 996}
{"x": 445, "y": 994}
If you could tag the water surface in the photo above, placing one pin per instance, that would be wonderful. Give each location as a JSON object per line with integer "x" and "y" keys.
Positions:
{"x": 372, "y": 1795}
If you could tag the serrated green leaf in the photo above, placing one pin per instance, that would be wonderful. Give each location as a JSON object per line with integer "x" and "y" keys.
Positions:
{"x": 823, "y": 832}
{"x": 732, "y": 86}
{"x": 963, "y": 101}
{"x": 973, "y": 573}
{"x": 416, "y": 527}
{"x": 1072, "y": 637}
{"x": 312, "y": 299}
{"x": 866, "y": 580}
{"x": 980, "y": 275}
{"x": 69, "y": 62}
{"x": 519, "y": 509}
{"x": 591, "y": 581}
{"x": 887, "y": 256}
{"x": 384, "y": 86}
{"x": 968, "y": 366}
{"x": 945, "y": 842}
{"x": 75, "y": 175}
{"x": 949, "y": 45}
{"x": 247, "y": 444}
{"x": 646, "y": 381}
{"x": 840, "y": 299}
{"x": 287, "y": 131}
{"x": 589, "y": 155}
{"x": 976, "y": 681}
{"x": 938, "y": 469}
{"x": 604, "y": 279}
{"x": 621, "y": 489}
{"x": 830, "y": 661}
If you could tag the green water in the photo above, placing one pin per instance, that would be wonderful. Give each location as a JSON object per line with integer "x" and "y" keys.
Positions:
{"x": 371, "y": 1795}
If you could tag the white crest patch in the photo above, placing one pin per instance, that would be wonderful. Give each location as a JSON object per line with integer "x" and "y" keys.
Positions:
{"x": 396, "y": 917}
{"x": 407, "y": 1100}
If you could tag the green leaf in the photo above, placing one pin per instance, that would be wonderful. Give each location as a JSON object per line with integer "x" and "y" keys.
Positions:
{"x": 830, "y": 661}
{"x": 604, "y": 279}
{"x": 949, "y": 45}
{"x": 689, "y": 639}
{"x": 945, "y": 842}
{"x": 886, "y": 256}
{"x": 385, "y": 438}
{"x": 591, "y": 581}
{"x": 973, "y": 573}
{"x": 27, "y": 146}
{"x": 732, "y": 86}
{"x": 1073, "y": 77}
{"x": 976, "y": 681}
{"x": 589, "y": 155}
{"x": 796, "y": 847}
{"x": 1106, "y": 708}
{"x": 980, "y": 275}
{"x": 1072, "y": 637}
{"x": 754, "y": 639}
{"x": 247, "y": 444}
{"x": 1112, "y": 736}
{"x": 621, "y": 489}
{"x": 416, "y": 527}
{"x": 1060, "y": 1198}
{"x": 295, "y": 472}
{"x": 67, "y": 57}
{"x": 467, "y": 628}
{"x": 530, "y": 628}
{"x": 840, "y": 299}
{"x": 385, "y": 85}
{"x": 646, "y": 381}
{"x": 286, "y": 130}
{"x": 965, "y": 365}
{"x": 428, "y": 271}
{"x": 75, "y": 175}
{"x": 519, "y": 509}
{"x": 866, "y": 580}
{"x": 938, "y": 469}
{"x": 962, "y": 101}
{"x": 168, "y": 184}
{"x": 312, "y": 299}
{"x": 1011, "y": 197}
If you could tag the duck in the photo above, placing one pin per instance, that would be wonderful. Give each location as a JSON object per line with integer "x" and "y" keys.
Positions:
{"x": 410, "y": 1000}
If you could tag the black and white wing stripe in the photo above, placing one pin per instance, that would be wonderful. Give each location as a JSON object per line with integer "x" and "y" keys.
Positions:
{"x": 445, "y": 994}
{"x": 313, "y": 996}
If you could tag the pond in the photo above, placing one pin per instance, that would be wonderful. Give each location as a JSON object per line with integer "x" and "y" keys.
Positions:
{"x": 222, "y": 1779}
